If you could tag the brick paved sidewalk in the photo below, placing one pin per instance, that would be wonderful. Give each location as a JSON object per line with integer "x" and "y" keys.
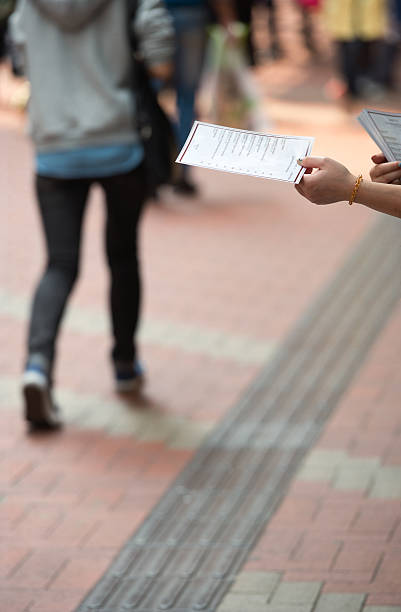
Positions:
{"x": 335, "y": 542}
{"x": 225, "y": 279}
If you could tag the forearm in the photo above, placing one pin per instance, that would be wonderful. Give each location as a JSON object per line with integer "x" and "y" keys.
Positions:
{"x": 155, "y": 33}
{"x": 382, "y": 197}
{"x": 333, "y": 182}
{"x": 161, "y": 71}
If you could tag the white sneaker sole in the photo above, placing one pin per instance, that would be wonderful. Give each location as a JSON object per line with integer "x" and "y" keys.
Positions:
{"x": 39, "y": 409}
{"x": 129, "y": 386}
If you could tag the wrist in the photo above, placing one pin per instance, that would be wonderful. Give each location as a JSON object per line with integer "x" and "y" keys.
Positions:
{"x": 349, "y": 185}
{"x": 356, "y": 182}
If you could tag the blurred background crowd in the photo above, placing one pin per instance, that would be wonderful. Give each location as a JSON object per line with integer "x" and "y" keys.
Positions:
{"x": 221, "y": 46}
{"x": 358, "y": 40}
{"x": 365, "y": 34}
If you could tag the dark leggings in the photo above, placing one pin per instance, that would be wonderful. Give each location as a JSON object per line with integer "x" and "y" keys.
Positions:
{"x": 367, "y": 59}
{"x": 62, "y": 204}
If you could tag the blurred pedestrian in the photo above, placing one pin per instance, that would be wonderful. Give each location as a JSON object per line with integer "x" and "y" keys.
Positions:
{"x": 359, "y": 28}
{"x": 14, "y": 88}
{"x": 244, "y": 10}
{"x": 391, "y": 46}
{"x": 333, "y": 182}
{"x": 190, "y": 20}
{"x": 275, "y": 47}
{"x": 81, "y": 115}
{"x": 3, "y": 39}
{"x": 6, "y": 8}
{"x": 245, "y": 15}
{"x": 306, "y": 7}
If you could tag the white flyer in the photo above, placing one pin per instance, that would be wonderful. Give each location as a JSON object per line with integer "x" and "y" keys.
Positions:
{"x": 385, "y": 129}
{"x": 238, "y": 151}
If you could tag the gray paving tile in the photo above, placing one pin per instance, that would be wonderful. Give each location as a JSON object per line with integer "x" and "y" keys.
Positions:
{"x": 338, "y": 602}
{"x": 258, "y": 583}
{"x": 239, "y": 602}
{"x": 296, "y": 593}
{"x": 287, "y": 608}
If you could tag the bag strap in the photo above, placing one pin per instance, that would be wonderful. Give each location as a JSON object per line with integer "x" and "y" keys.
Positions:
{"x": 132, "y": 6}
{"x": 141, "y": 87}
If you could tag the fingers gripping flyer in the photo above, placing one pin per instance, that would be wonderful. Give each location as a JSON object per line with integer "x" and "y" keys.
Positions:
{"x": 238, "y": 151}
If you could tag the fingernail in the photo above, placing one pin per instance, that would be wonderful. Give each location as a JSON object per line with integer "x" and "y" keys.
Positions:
{"x": 300, "y": 161}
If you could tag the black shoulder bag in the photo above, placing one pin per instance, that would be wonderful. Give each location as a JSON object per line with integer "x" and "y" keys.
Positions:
{"x": 153, "y": 125}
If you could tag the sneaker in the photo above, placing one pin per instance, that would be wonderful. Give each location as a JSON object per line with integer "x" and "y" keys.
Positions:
{"x": 40, "y": 410}
{"x": 129, "y": 377}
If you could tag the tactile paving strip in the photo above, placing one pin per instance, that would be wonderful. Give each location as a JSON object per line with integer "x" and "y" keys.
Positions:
{"x": 187, "y": 552}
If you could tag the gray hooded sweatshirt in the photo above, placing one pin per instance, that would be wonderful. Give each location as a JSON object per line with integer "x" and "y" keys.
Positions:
{"x": 77, "y": 58}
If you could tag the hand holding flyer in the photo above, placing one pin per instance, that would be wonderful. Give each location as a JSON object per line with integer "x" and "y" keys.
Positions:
{"x": 244, "y": 152}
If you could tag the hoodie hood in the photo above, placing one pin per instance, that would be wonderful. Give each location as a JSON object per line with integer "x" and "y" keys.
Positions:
{"x": 70, "y": 15}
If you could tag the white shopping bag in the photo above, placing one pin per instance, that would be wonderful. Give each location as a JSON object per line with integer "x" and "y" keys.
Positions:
{"x": 229, "y": 93}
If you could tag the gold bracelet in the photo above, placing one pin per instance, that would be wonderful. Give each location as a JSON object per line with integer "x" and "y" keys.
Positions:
{"x": 355, "y": 190}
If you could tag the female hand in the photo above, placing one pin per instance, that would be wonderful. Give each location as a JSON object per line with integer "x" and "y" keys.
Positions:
{"x": 384, "y": 171}
{"x": 332, "y": 182}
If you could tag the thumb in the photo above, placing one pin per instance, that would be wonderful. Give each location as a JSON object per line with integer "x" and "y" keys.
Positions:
{"x": 311, "y": 162}
{"x": 378, "y": 158}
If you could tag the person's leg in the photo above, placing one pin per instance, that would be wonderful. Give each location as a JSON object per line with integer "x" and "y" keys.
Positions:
{"x": 381, "y": 55}
{"x": 348, "y": 54}
{"x": 307, "y": 29}
{"x": 276, "y": 51}
{"x": 61, "y": 206}
{"x": 244, "y": 15}
{"x": 190, "y": 32}
{"x": 125, "y": 196}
